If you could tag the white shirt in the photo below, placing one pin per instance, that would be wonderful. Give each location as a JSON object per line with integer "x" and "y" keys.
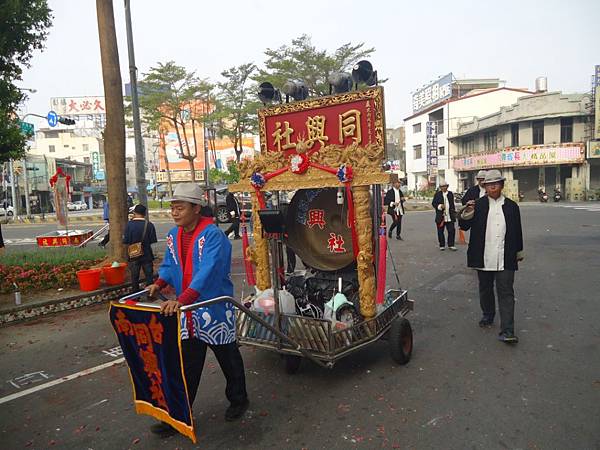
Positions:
{"x": 397, "y": 202}
{"x": 446, "y": 207}
{"x": 495, "y": 234}
{"x": 481, "y": 191}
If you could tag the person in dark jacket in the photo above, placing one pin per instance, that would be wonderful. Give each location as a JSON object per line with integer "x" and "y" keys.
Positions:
{"x": 139, "y": 229}
{"x": 477, "y": 191}
{"x": 394, "y": 200}
{"x": 1, "y": 241}
{"x": 233, "y": 209}
{"x": 495, "y": 248}
{"x": 445, "y": 215}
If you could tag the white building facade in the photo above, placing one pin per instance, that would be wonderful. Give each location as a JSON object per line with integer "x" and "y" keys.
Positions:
{"x": 429, "y": 149}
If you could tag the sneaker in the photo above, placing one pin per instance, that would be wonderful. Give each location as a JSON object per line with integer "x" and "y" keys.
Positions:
{"x": 399, "y": 238}
{"x": 234, "y": 412}
{"x": 237, "y": 237}
{"x": 163, "y": 429}
{"x": 442, "y": 249}
{"x": 485, "y": 322}
{"x": 508, "y": 338}
{"x": 453, "y": 248}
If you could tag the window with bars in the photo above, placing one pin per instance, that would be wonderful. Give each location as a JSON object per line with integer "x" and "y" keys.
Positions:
{"x": 490, "y": 140}
{"x": 566, "y": 129}
{"x": 417, "y": 151}
{"x": 514, "y": 135}
{"x": 537, "y": 130}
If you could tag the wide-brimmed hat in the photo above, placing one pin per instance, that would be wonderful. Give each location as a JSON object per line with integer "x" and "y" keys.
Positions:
{"x": 189, "y": 192}
{"x": 481, "y": 175}
{"x": 443, "y": 182}
{"x": 493, "y": 176}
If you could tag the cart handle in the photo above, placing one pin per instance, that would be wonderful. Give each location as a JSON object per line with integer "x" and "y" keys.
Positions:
{"x": 130, "y": 299}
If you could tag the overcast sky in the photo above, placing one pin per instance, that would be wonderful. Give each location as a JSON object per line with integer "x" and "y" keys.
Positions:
{"x": 415, "y": 42}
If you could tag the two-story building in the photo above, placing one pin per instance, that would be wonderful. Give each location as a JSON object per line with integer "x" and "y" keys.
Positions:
{"x": 538, "y": 142}
{"x": 438, "y": 110}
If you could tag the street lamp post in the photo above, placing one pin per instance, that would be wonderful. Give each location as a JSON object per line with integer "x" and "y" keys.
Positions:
{"x": 140, "y": 159}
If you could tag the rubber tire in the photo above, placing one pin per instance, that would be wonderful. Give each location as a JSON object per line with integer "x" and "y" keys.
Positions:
{"x": 9, "y": 213}
{"x": 292, "y": 364}
{"x": 222, "y": 214}
{"x": 400, "y": 339}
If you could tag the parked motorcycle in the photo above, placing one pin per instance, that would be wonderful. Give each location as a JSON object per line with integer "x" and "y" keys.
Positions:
{"x": 542, "y": 196}
{"x": 557, "y": 195}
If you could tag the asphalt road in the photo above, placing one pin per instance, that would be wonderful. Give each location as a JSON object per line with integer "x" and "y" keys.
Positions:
{"x": 462, "y": 388}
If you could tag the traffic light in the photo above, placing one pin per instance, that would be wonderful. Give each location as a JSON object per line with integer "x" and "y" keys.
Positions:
{"x": 66, "y": 121}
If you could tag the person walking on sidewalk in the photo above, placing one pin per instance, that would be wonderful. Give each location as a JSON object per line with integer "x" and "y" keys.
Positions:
{"x": 233, "y": 209}
{"x": 1, "y": 241}
{"x": 139, "y": 230}
{"x": 495, "y": 249}
{"x": 197, "y": 264}
{"x": 394, "y": 200}
{"x": 445, "y": 215}
{"x": 476, "y": 191}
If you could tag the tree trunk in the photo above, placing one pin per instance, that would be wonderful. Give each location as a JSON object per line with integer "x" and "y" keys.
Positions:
{"x": 114, "y": 133}
{"x": 183, "y": 155}
{"x": 164, "y": 146}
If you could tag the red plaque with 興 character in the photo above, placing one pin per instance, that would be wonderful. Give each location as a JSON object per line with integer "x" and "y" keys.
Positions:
{"x": 342, "y": 120}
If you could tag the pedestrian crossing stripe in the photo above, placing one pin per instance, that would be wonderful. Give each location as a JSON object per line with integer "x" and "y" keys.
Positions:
{"x": 591, "y": 208}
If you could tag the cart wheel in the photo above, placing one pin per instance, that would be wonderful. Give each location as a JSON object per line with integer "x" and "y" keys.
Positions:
{"x": 292, "y": 364}
{"x": 401, "y": 340}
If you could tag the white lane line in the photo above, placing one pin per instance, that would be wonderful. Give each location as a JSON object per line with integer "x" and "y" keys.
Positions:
{"x": 73, "y": 376}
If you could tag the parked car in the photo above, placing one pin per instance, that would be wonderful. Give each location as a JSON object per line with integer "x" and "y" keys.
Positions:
{"x": 9, "y": 211}
{"x": 76, "y": 206}
{"x": 221, "y": 212}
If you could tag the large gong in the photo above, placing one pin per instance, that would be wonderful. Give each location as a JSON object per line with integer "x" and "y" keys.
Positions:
{"x": 318, "y": 229}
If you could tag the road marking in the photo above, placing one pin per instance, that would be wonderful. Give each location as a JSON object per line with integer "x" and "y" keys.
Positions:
{"x": 73, "y": 376}
{"x": 29, "y": 378}
{"x": 113, "y": 352}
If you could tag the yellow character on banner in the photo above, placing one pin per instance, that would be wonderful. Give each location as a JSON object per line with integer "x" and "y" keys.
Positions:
{"x": 283, "y": 135}
{"x": 350, "y": 126}
{"x": 316, "y": 130}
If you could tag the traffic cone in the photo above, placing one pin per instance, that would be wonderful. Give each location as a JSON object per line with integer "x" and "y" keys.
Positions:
{"x": 461, "y": 237}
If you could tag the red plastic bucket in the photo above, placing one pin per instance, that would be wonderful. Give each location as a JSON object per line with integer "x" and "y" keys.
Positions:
{"x": 114, "y": 275}
{"x": 89, "y": 280}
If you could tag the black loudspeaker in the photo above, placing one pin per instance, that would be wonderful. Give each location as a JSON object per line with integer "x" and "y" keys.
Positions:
{"x": 295, "y": 89}
{"x": 273, "y": 220}
{"x": 340, "y": 82}
{"x": 363, "y": 73}
{"x": 267, "y": 93}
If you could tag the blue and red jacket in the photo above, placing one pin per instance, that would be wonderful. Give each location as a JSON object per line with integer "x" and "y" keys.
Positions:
{"x": 207, "y": 272}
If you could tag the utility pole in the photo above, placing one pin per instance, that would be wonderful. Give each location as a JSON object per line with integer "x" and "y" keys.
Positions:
{"x": 140, "y": 157}
{"x": 26, "y": 183}
{"x": 13, "y": 188}
{"x": 114, "y": 133}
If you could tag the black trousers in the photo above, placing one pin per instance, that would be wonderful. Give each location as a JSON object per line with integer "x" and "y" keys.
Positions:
{"x": 451, "y": 232}
{"x": 396, "y": 223}
{"x": 504, "y": 281}
{"x": 235, "y": 227}
{"x": 134, "y": 270}
{"x": 230, "y": 360}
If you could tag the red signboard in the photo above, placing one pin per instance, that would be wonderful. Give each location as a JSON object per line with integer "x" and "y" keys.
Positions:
{"x": 354, "y": 117}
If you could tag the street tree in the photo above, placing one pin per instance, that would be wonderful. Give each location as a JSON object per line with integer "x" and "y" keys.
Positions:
{"x": 24, "y": 29}
{"x": 169, "y": 94}
{"x": 114, "y": 133}
{"x": 237, "y": 105}
{"x": 301, "y": 60}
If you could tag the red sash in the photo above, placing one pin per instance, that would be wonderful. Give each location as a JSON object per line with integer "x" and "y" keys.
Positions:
{"x": 188, "y": 267}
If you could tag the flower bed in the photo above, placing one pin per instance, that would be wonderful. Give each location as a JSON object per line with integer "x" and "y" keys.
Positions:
{"x": 48, "y": 268}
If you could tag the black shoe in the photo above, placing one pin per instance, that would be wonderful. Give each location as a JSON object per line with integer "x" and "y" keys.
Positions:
{"x": 485, "y": 322}
{"x": 234, "y": 412}
{"x": 508, "y": 338}
{"x": 399, "y": 238}
{"x": 390, "y": 234}
{"x": 163, "y": 429}
{"x": 237, "y": 237}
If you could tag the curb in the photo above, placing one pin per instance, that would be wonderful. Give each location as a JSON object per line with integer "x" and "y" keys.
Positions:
{"x": 20, "y": 313}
